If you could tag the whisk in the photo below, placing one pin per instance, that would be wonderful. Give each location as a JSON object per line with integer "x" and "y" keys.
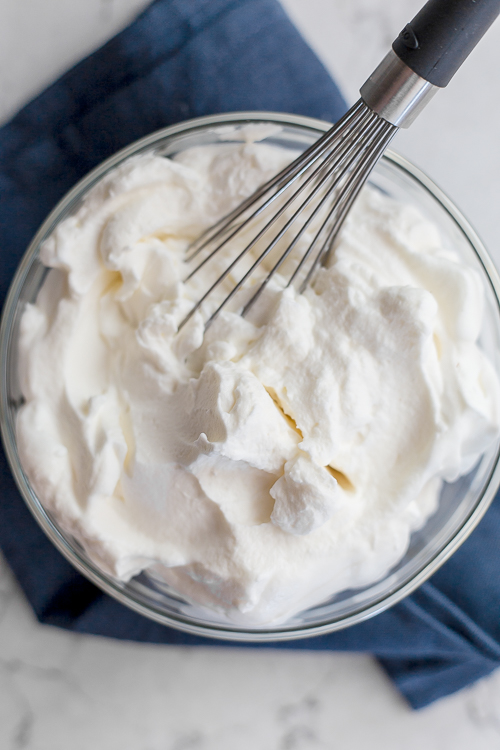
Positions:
{"x": 316, "y": 191}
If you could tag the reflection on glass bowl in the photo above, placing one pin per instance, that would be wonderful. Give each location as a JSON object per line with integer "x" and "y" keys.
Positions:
{"x": 462, "y": 503}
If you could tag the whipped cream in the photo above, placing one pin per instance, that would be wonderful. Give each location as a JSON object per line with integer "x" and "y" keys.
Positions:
{"x": 275, "y": 460}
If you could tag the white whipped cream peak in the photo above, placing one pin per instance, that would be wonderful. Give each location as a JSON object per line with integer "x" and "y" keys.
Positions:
{"x": 278, "y": 459}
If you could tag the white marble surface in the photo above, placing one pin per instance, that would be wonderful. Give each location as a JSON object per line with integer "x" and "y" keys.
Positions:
{"x": 60, "y": 691}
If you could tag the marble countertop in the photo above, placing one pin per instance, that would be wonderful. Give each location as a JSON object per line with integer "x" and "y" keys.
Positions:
{"x": 61, "y": 691}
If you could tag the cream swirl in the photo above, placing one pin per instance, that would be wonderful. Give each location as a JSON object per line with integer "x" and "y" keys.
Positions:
{"x": 275, "y": 460}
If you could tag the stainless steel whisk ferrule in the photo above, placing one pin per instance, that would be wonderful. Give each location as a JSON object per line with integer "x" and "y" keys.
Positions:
{"x": 316, "y": 191}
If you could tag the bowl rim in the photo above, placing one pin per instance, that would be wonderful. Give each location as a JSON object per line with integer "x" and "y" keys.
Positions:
{"x": 43, "y": 517}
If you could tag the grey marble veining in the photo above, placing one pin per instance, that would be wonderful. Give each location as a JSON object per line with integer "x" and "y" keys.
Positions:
{"x": 455, "y": 140}
{"x": 61, "y": 691}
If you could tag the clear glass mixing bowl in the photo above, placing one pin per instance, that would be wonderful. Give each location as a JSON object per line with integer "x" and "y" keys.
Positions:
{"x": 462, "y": 504}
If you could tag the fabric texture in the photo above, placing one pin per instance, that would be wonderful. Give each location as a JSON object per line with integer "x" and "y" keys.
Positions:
{"x": 182, "y": 59}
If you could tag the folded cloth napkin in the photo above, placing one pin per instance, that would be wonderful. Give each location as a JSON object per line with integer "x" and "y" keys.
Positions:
{"x": 181, "y": 59}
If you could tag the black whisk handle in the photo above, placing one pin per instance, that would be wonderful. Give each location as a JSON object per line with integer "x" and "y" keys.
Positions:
{"x": 442, "y": 35}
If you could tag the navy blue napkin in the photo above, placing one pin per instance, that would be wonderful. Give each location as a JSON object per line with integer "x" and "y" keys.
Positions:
{"x": 182, "y": 59}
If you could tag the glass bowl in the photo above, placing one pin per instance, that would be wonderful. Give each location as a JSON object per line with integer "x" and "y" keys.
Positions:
{"x": 462, "y": 504}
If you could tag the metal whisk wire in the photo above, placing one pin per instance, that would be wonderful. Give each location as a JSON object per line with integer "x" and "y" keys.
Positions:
{"x": 282, "y": 180}
{"x": 333, "y": 171}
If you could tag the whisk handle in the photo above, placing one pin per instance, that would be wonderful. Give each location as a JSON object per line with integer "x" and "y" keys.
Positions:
{"x": 437, "y": 41}
{"x": 425, "y": 56}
